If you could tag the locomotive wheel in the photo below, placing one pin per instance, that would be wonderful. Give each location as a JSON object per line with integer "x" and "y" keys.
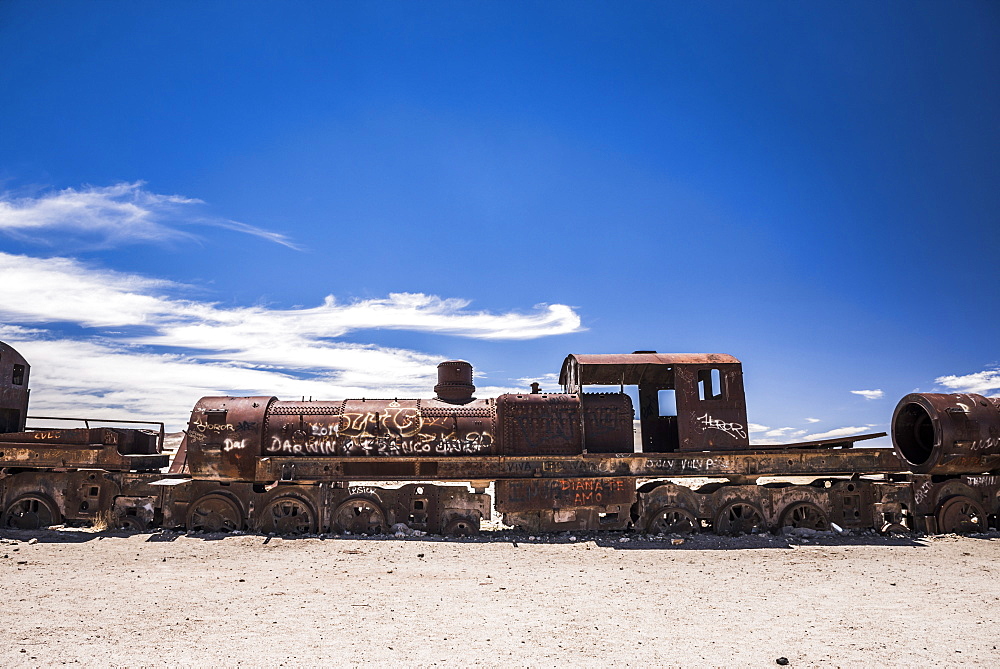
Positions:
{"x": 214, "y": 513}
{"x": 288, "y": 515}
{"x": 804, "y": 514}
{"x": 740, "y": 518}
{"x": 463, "y": 526}
{"x": 894, "y": 528}
{"x": 132, "y": 524}
{"x": 961, "y": 515}
{"x": 359, "y": 516}
{"x": 672, "y": 520}
{"x": 31, "y": 512}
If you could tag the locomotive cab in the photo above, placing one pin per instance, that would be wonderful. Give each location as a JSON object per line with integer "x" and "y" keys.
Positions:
{"x": 14, "y": 371}
{"x": 687, "y": 402}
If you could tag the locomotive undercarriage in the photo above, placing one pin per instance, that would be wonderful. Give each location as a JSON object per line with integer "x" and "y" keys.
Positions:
{"x": 138, "y": 502}
{"x": 964, "y": 504}
{"x": 141, "y": 501}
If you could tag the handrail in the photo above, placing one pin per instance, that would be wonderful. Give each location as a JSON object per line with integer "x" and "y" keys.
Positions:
{"x": 87, "y": 421}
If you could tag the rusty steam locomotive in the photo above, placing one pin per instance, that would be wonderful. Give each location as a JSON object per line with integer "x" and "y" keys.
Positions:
{"x": 557, "y": 461}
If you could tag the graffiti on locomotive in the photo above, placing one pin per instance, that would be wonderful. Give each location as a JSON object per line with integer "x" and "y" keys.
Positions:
{"x": 396, "y": 431}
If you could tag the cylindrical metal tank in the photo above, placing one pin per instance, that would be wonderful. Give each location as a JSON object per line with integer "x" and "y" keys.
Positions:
{"x": 381, "y": 427}
{"x": 455, "y": 382}
{"x": 226, "y": 435}
{"x": 947, "y": 434}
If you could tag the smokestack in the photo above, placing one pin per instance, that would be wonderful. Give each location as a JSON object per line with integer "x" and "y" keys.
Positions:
{"x": 455, "y": 382}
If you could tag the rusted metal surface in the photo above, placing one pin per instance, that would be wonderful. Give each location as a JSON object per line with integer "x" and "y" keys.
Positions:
{"x": 14, "y": 372}
{"x": 792, "y": 462}
{"x": 263, "y": 439}
{"x": 947, "y": 434}
{"x": 30, "y": 500}
{"x": 540, "y": 424}
{"x": 113, "y": 449}
{"x": 959, "y": 504}
{"x": 224, "y": 436}
{"x": 130, "y": 442}
{"x": 607, "y": 423}
{"x": 531, "y": 494}
{"x": 631, "y": 369}
{"x": 707, "y": 390}
{"x": 293, "y": 508}
{"x": 455, "y": 382}
{"x": 749, "y": 509}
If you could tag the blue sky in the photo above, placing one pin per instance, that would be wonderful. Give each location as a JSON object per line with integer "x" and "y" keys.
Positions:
{"x": 811, "y": 187}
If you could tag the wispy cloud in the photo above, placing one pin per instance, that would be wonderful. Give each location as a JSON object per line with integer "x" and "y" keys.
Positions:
{"x": 66, "y": 290}
{"x": 981, "y": 383}
{"x": 548, "y": 382}
{"x": 109, "y": 216}
{"x": 149, "y": 350}
{"x": 839, "y": 432}
{"x": 869, "y": 394}
{"x": 762, "y": 434}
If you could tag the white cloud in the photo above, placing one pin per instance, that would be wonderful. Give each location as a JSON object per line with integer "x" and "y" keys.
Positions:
{"x": 838, "y": 432}
{"x": 68, "y": 291}
{"x": 102, "y": 217}
{"x": 762, "y": 434}
{"x": 123, "y": 370}
{"x": 548, "y": 382}
{"x": 869, "y": 394}
{"x": 980, "y": 383}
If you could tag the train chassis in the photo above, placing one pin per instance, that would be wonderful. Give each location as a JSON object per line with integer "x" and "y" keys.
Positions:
{"x": 141, "y": 501}
{"x": 138, "y": 502}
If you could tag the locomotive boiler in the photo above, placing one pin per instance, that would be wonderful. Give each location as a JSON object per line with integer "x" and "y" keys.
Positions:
{"x": 227, "y": 436}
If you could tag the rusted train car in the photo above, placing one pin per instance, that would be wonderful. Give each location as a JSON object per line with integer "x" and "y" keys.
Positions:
{"x": 571, "y": 460}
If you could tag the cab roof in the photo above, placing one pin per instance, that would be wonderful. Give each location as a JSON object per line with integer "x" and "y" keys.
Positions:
{"x": 632, "y": 368}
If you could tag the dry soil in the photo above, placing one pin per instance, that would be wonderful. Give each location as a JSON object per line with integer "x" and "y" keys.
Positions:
{"x": 508, "y": 600}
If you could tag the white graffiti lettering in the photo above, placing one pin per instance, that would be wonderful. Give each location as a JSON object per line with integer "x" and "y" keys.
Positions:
{"x": 206, "y": 427}
{"x": 921, "y": 492}
{"x": 688, "y": 464}
{"x": 732, "y": 429}
{"x": 983, "y": 480}
{"x": 988, "y": 444}
{"x": 234, "y": 444}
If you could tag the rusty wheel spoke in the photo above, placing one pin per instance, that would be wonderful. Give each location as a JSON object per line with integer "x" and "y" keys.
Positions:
{"x": 30, "y": 512}
{"x": 961, "y": 515}
{"x": 672, "y": 520}
{"x": 359, "y": 516}
{"x": 214, "y": 513}
{"x": 804, "y": 514}
{"x": 288, "y": 515}
{"x": 739, "y": 518}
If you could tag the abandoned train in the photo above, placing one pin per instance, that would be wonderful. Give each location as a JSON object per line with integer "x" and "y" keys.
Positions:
{"x": 570, "y": 460}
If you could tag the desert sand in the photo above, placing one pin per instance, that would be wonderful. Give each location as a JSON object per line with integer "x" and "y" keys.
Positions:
{"x": 507, "y": 599}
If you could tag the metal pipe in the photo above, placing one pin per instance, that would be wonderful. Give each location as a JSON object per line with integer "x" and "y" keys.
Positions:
{"x": 937, "y": 433}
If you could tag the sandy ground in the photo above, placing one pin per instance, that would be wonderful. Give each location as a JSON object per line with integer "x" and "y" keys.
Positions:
{"x": 169, "y": 599}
